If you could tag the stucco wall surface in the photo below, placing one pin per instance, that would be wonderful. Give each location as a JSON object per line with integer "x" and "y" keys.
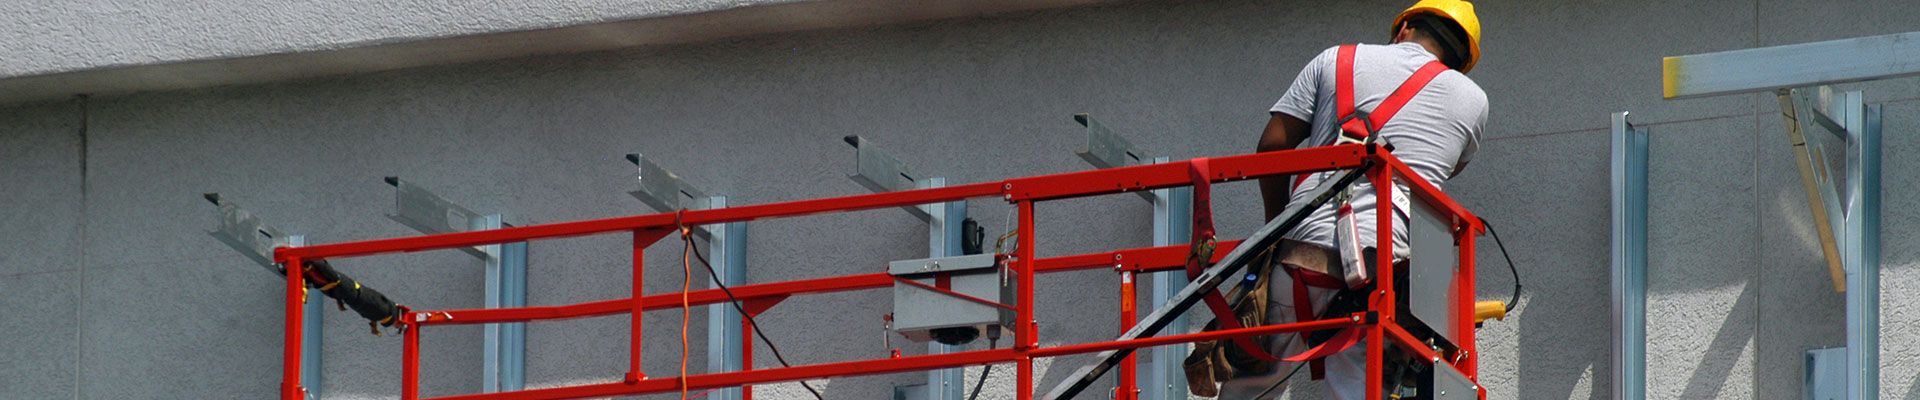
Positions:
{"x": 123, "y": 295}
{"x": 60, "y": 36}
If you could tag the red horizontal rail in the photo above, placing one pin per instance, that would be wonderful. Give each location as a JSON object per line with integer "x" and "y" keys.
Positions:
{"x": 1141, "y": 259}
{"x": 885, "y": 366}
{"x": 1071, "y": 184}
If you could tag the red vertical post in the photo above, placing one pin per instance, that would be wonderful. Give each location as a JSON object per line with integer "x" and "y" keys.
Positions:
{"x": 410, "y": 359}
{"x": 1129, "y": 385}
{"x": 1383, "y": 298}
{"x": 1464, "y": 290}
{"x": 746, "y": 354}
{"x": 290, "y": 352}
{"x": 1027, "y": 336}
{"x": 640, "y": 242}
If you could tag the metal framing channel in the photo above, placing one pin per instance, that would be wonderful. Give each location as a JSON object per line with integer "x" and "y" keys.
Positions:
{"x": 943, "y": 240}
{"x": 1790, "y": 66}
{"x": 1163, "y": 378}
{"x": 1862, "y": 253}
{"x": 503, "y": 345}
{"x": 503, "y": 365}
{"x": 1629, "y": 259}
{"x": 724, "y": 331}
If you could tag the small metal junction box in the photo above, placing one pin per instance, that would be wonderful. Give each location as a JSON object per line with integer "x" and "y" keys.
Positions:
{"x": 919, "y": 310}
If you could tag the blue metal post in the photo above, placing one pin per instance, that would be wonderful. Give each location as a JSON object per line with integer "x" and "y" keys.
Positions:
{"x": 310, "y": 341}
{"x": 943, "y": 240}
{"x": 728, "y": 246}
{"x": 1629, "y": 259}
{"x": 1861, "y": 254}
{"x": 1163, "y": 378}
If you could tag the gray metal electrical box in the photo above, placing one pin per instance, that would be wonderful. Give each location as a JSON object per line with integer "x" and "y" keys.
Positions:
{"x": 1434, "y": 266}
{"x": 918, "y": 310}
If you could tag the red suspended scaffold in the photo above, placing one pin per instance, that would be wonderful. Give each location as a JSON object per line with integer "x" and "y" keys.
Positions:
{"x": 1377, "y": 321}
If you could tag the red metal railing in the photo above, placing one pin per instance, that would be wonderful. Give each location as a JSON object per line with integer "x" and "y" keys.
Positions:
{"x": 1023, "y": 192}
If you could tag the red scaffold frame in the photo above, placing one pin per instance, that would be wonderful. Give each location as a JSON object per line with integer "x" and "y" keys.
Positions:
{"x": 1378, "y": 321}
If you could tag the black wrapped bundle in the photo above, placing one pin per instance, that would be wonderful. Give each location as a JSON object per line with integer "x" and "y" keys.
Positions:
{"x": 369, "y": 303}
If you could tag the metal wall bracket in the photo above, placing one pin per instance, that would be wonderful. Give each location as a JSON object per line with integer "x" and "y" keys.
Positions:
{"x": 665, "y": 191}
{"x": 1162, "y": 378}
{"x": 879, "y": 172}
{"x": 503, "y": 355}
{"x": 1629, "y": 259}
{"x": 1106, "y": 149}
{"x": 251, "y": 237}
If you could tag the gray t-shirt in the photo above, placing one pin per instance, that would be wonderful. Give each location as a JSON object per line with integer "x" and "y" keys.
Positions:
{"x": 1435, "y": 134}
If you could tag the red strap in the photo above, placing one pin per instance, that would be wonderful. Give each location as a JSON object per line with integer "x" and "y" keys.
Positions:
{"x": 1343, "y": 81}
{"x": 1203, "y": 236}
{"x": 1343, "y": 86}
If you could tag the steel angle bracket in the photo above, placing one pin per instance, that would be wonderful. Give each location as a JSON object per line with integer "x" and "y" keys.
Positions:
{"x": 880, "y": 172}
{"x": 666, "y": 192}
{"x": 1208, "y": 281}
{"x": 429, "y": 213}
{"x": 505, "y": 267}
{"x": 1106, "y": 149}
{"x": 246, "y": 234}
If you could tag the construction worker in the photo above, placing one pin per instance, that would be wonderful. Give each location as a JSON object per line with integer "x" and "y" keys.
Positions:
{"x": 1413, "y": 95}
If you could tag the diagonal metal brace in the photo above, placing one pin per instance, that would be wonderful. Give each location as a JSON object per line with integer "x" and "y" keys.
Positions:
{"x": 1207, "y": 282}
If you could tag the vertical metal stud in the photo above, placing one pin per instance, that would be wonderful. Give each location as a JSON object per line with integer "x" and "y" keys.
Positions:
{"x": 1629, "y": 258}
{"x": 1163, "y": 378}
{"x": 943, "y": 240}
{"x": 727, "y": 247}
{"x": 1862, "y": 248}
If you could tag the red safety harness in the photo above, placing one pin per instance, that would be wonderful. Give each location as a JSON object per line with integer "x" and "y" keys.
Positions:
{"x": 1355, "y": 127}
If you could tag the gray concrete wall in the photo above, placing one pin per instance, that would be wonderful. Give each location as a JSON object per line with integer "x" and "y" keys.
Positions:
{"x": 115, "y": 291}
{"x": 63, "y": 36}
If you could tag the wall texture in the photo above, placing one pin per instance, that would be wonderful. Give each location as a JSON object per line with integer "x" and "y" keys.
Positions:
{"x": 115, "y": 290}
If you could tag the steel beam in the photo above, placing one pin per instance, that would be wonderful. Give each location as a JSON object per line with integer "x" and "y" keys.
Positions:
{"x": 1629, "y": 259}
{"x": 1798, "y": 65}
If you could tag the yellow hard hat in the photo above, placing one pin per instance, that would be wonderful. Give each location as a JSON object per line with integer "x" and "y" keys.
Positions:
{"x": 1458, "y": 11}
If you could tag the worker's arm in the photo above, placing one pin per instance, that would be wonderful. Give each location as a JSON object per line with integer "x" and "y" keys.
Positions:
{"x": 1284, "y": 132}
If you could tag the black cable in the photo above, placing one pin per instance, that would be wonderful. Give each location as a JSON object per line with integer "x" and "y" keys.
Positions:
{"x": 1515, "y": 302}
{"x": 735, "y": 301}
{"x": 977, "y": 385}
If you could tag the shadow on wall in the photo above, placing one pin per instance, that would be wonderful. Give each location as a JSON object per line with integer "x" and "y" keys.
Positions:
{"x": 1710, "y": 375}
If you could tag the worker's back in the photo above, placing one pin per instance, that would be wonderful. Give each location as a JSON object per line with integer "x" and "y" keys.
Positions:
{"x": 1435, "y": 134}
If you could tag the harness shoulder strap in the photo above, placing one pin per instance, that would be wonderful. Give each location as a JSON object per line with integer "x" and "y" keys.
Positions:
{"x": 1357, "y": 125}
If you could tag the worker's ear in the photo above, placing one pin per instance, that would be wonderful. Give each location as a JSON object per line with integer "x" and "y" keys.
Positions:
{"x": 1405, "y": 33}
